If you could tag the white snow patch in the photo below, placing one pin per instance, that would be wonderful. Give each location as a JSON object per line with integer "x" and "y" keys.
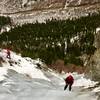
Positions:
{"x": 3, "y": 72}
{"x": 22, "y": 65}
{"x": 74, "y": 38}
{"x": 24, "y": 2}
{"x": 97, "y": 29}
{"x": 79, "y": 2}
{"x": 96, "y": 89}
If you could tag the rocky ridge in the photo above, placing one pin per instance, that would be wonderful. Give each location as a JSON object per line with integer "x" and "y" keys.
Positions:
{"x": 30, "y": 11}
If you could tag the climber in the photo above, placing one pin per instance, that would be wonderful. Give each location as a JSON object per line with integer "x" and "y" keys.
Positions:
{"x": 69, "y": 82}
{"x": 8, "y": 54}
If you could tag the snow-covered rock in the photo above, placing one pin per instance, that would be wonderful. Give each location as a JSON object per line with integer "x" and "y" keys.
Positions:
{"x": 21, "y": 65}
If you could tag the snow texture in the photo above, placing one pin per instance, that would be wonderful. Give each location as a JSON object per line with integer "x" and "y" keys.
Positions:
{"x": 21, "y": 79}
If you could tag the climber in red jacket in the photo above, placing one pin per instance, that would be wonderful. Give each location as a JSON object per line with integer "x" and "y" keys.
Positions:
{"x": 69, "y": 82}
{"x": 8, "y": 54}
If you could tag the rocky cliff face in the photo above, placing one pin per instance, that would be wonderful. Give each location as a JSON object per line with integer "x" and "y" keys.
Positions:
{"x": 10, "y": 6}
{"x": 30, "y": 11}
{"x": 94, "y": 63}
{"x": 81, "y": 2}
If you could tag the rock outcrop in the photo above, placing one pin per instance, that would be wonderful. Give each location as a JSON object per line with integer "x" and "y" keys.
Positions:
{"x": 11, "y": 6}
{"x": 93, "y": 65}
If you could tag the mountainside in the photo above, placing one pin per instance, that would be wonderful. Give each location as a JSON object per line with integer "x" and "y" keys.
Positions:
{"x": 22, "y": 79}
{"x": 67, "y": 40}
{"x": 17, "y": 5}
{"x": 81, "y": 2}
{"x": 28, "y": 11}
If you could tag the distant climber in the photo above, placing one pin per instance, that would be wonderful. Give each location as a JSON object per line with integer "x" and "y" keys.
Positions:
{"x": 69, "y": 82}
{"x": 8, "y": 54}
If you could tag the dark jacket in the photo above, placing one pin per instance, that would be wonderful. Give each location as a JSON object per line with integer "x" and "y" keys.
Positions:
{"x": 69, "y": 80}
{"x": 8, "y": 51}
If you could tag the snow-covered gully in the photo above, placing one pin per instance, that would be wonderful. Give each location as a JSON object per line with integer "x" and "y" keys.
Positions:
{"x": 21, "y": 79}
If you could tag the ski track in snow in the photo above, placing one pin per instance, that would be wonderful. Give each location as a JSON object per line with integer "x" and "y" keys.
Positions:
{"x": 24, "y": 81}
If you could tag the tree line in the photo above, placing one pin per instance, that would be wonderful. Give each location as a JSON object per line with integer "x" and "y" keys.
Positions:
{"x": 51, "y": 40}
{"x": 4, "y": 21}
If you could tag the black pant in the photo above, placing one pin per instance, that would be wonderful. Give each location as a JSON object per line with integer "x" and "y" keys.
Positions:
{"x": 70, "y": 87}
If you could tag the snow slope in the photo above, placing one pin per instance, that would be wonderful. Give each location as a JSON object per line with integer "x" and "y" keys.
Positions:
{"x": 22, "y": 79}
{"x": 21, "y": 65}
